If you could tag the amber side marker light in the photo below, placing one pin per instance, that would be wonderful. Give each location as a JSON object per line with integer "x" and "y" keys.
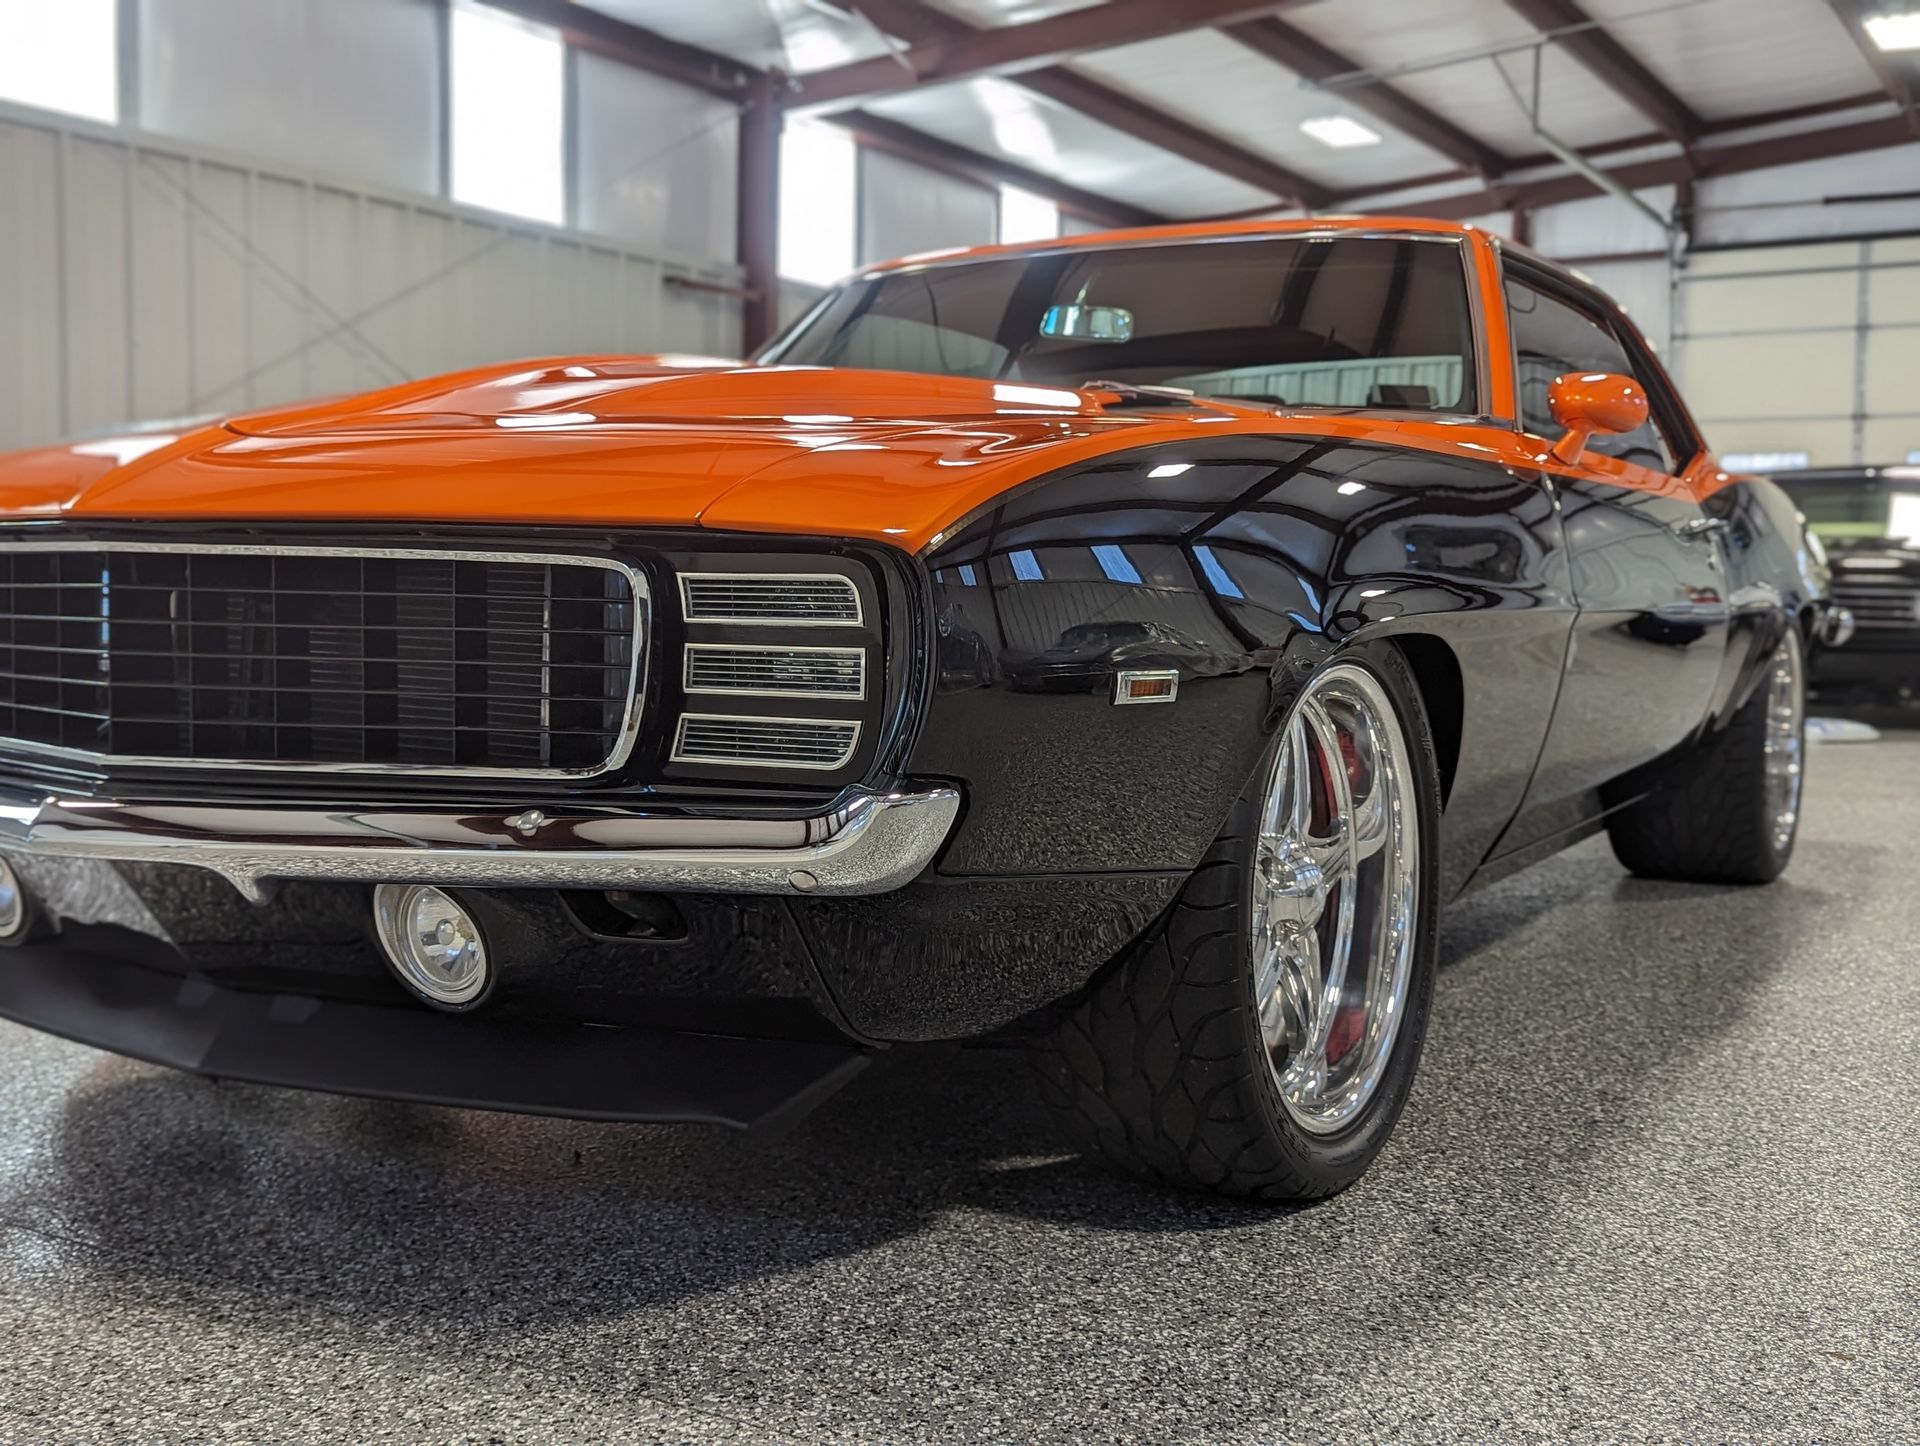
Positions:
{"x": 1158, "y": 686}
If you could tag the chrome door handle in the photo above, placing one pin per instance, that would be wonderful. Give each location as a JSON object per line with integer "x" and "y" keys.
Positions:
{"x": 1701, "y": 527}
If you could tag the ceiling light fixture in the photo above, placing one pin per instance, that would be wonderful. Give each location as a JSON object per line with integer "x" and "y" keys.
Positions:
{"x": 1339, "y": 131}
{"x": 1899, "y": 30}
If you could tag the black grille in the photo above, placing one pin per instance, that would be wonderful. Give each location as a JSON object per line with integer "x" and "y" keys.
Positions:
{"x": 458, "y": 662}
{"x": 1892, "y": 602}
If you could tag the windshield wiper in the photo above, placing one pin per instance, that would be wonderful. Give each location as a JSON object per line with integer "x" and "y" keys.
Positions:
{"x": 1142, "y": 395}
{"x": 1146, "y": 396}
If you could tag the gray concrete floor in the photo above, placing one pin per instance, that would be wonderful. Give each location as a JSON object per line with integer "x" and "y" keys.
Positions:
{"x": 1660, "y": 1179}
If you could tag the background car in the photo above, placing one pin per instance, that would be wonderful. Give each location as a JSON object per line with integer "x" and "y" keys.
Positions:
{"x": 1868, "y": 519}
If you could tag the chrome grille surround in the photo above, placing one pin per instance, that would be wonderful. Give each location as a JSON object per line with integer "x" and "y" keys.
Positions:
{"x": 754, "y": 599}
{"x": 776, "y": 671}
{"x": 631, "y": 659}
{"x": 741, "y": 741}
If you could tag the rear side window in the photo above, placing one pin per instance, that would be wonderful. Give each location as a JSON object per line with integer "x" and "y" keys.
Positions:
{"x": 1552, "y": 338}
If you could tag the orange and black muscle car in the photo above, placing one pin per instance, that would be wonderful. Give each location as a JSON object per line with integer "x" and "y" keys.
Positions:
{"x": 1118, "y": 648}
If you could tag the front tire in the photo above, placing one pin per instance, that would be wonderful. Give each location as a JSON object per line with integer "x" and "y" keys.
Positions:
{"x": 1729, "y": 811}
{"x": 1261, "y": 1040}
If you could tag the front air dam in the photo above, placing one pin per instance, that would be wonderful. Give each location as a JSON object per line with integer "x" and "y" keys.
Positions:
{"x": 91, "y": 986}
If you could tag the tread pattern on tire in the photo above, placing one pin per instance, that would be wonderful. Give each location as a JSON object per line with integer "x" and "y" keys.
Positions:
{"x": 1707, "y": 821}
{"x": 1152, "y": 1071}
{"x": 1157, "y": 1067}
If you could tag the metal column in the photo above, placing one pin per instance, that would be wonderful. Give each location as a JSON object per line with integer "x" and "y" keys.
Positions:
{"x": 759, "y": 209}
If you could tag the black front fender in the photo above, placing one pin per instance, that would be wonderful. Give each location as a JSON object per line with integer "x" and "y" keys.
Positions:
{"x": 1239, "y": 565}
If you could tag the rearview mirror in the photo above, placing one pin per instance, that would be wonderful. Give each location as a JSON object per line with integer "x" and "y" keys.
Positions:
{"x": 1589, "y": 402}
{"x": 1087, "y": 323}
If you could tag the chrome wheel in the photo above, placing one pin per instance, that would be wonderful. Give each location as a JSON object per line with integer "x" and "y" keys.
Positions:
{"x": 1785, "y": 740}
{"x": 1335, "y": 895}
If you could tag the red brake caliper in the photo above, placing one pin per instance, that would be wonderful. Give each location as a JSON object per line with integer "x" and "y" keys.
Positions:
{"x": 1348, "y": 1023}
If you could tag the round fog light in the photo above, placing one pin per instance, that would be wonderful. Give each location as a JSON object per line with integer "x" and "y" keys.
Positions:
{"x": 13, "y": 902}
{"x": 434, "y": 944}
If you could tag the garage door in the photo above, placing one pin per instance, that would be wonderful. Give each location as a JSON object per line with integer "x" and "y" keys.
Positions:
{"x": 1809, "y": 350}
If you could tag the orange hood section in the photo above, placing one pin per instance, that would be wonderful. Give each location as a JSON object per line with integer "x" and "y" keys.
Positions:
{"x": 662, "y": 441}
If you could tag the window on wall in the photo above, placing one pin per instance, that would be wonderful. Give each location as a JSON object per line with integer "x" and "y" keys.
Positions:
{"x": 508, "y": 85}
{"x": 818, "y": 163}
{"x": 1026, "y": 217}
{"x": 62, "y": 56}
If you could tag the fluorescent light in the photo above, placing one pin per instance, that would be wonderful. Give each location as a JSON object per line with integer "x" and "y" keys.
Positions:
{"x": 1349, "y": 489}
{"x": 1171, "y": 469}
{"x": 1339, "y": 131}
{"x": 1895, "y": 32}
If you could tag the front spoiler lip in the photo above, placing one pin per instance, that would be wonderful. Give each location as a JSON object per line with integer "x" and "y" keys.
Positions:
{"x": 871, "y": 843}
{"x": 89, "y": 987}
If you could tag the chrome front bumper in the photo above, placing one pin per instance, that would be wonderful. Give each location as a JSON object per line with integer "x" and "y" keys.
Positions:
{"x": 870, "y": 844}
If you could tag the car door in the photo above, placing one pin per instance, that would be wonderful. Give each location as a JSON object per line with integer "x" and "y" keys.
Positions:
{"x": 1648, "y": 570}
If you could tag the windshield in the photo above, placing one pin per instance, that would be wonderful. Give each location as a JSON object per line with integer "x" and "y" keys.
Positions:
{"x": 1870, "y": 507}
{"x": 1345, "y": 322}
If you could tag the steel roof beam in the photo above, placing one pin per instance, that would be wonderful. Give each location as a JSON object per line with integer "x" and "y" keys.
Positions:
{"x": 1598, "y": 154}
{"x": 1004, "y": 50}
{"x": 1702, "y": 165}
{"x": 722, "y": 76}
{"x": 1308, "y": 58}
{"x": 634, "y": 45}
{"x": 1613, "y": 64}
{"x": 917, "y": 25}
{"x": 885, "y": 134}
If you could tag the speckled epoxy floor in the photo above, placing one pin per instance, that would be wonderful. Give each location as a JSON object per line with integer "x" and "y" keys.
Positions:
{"x": 1660, "y": 1179}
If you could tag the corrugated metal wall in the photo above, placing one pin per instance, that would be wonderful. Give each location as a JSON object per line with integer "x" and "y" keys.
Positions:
{"x": 142, "y": 277}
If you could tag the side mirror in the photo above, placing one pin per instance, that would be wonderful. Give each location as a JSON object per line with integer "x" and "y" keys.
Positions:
{"x": 1589, "y": 402}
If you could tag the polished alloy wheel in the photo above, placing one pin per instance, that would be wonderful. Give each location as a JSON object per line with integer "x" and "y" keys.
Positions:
{"x": 1335, "y": 894}
{"x": 1785, "y": 740}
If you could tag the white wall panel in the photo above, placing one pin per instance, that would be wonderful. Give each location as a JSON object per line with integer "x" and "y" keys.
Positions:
{"x": 32, "y": 372}
{"x": 1602, "y": 225}
{"x": 1806, "y": 348}
{"x": 906, "y": 209}
{"x": 142, "y": 278}
{"x": 349, "y": 87}
{"x": 1759, "y": 378}
{"x": 657, "y": 161}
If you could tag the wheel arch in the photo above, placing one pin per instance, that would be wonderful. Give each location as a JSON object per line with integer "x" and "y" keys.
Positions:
{"x": 1436, "y": 671}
